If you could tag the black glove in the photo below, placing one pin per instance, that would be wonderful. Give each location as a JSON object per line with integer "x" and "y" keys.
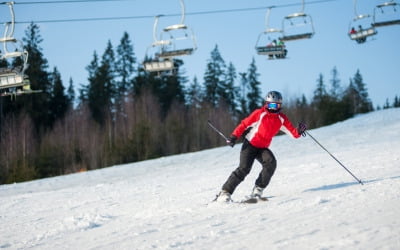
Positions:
{"x": 231, "y": 141}
{"x": 301, "y": 129}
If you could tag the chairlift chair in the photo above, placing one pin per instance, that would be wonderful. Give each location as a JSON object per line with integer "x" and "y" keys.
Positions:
{"x": 158, "y": 65}
{"x": 17, "y": 91}
{"x": 155, "y": 63}
{"x": 297, "y": 26}
{"x": 181, "y": 38}
{"x": 267, "y": 44}
{"x": 180, "y": 41}
{"x": 361, "y": 34}
{"x": 179, "y": 44}
{"x": 386, "y": 14}
{"x": 267, "y": 41}
{"x": 13, "y": 79}
{"x": 360, "y": 27}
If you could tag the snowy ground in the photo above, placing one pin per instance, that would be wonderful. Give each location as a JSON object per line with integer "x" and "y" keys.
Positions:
{"x": 165, "y": 203}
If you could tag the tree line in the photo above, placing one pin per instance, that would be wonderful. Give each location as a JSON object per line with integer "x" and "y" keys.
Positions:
{"x": 125, "y": 114}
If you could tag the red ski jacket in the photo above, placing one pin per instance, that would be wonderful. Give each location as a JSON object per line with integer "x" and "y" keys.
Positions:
{"x": 263, "y": 125}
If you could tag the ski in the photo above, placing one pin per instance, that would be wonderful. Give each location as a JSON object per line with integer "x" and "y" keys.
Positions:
{"x": 254, "y": 199}
{"x": 250, "y": 200}
{"x": 246, "y": 200}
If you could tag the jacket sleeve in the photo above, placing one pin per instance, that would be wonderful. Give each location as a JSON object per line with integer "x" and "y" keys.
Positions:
{"x": 288, "y": 127}
{"x": 246, "y": 123}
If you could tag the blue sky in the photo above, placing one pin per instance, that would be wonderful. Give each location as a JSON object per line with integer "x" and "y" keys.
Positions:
{"x": 70, "y": 45}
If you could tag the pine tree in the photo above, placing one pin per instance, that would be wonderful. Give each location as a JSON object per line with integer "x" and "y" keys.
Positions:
{"x": 320, "y": 102}
{"x": 396, "y": 102}
{"x": 125, "y": 67}
{"x": 350, "y": 99}
{"x": 254, "y": 95}
{"x": 387, "y": 104}
{"x": 214, "y": 77}
{"x": 336, "y": 109}
{"x": 243, "y": 96}
{"x": 59, "y": 100}
{"x": 194, "y": 94}
{"x": 85, "y": 90}
{"x": 230, "y": 93}
{"x": 145, "y": 81}
{"x": 336, "y": 90}
{"x": 101, "y": 89}
{"x": 71, "y": 94}
{"x": 320, "y": 92}
{"x": 171, "y": 89}
{"x": 37, "y": 105}
{"x": 365, "y": 104}
{"x": 302, "y": 106}
{"x": 107, "y": 75}
{"x": 141, "y": 81}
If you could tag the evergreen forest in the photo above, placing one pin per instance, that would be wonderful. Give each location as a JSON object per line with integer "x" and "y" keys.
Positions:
{"x": 124, "y": 114}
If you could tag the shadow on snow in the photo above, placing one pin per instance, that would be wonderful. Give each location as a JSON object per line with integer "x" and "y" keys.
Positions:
{"x": 343, "y": 185}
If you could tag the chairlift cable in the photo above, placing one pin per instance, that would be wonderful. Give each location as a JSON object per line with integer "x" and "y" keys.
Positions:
{"x": 209, "y": 12}
{"x": 70, "y": 1}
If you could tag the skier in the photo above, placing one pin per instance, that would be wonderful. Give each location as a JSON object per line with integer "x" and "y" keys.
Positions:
{"x": 259, "y": 128}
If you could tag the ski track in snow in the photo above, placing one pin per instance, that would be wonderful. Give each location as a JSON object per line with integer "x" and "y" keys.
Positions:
{"x": 166, "y": 203}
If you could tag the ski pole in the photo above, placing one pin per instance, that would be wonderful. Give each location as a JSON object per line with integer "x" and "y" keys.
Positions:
{"x": 216, "y": 130}
{"x": 359, "y": 181}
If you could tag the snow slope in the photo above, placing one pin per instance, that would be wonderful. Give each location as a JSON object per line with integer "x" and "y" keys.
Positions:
{"x": 165, "y": 203}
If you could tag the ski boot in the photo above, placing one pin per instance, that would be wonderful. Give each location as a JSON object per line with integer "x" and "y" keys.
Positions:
{"x": 223, "y": 196}
{"x": 257, "y": 194}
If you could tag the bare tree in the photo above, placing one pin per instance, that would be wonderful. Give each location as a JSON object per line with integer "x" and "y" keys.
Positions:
{"x": 17, "y": 149}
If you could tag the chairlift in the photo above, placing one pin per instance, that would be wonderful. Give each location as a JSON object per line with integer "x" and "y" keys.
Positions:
{"x": 173, "y": 41}
{"x": 360, "y": 27}
{"x": 386, "y": 14}
{"x": 269, "y": 42}
{"x": 297, "y": 26}
{"x": 157, "y": 63}
{"x": 181, "y": 38}
{"x": 13, "y": 80}
{"x": 17, "y": 91}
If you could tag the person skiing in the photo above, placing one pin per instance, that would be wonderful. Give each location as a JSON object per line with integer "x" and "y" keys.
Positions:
{"x": 259, "y": 128}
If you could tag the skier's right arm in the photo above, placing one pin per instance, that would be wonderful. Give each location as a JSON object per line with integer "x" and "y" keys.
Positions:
{"x": 232, "y": 140}
{"x": 246, "y": 122}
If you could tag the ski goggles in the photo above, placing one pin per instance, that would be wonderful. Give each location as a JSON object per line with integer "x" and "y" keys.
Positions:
{"x": 273, "y": 105}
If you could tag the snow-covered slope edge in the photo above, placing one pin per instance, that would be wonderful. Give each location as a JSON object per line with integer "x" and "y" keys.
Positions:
{"x": 165, "y": 203}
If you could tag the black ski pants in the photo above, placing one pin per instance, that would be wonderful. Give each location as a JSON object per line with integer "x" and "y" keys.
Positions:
{"x": 247, "y": 156}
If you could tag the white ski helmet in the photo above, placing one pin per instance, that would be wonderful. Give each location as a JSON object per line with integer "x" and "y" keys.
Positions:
{"x": 273, "y": 101}
{"x": 274, "y": 96}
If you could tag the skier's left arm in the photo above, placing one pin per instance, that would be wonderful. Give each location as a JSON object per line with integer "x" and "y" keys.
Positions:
{"x": 288, "y": 128}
